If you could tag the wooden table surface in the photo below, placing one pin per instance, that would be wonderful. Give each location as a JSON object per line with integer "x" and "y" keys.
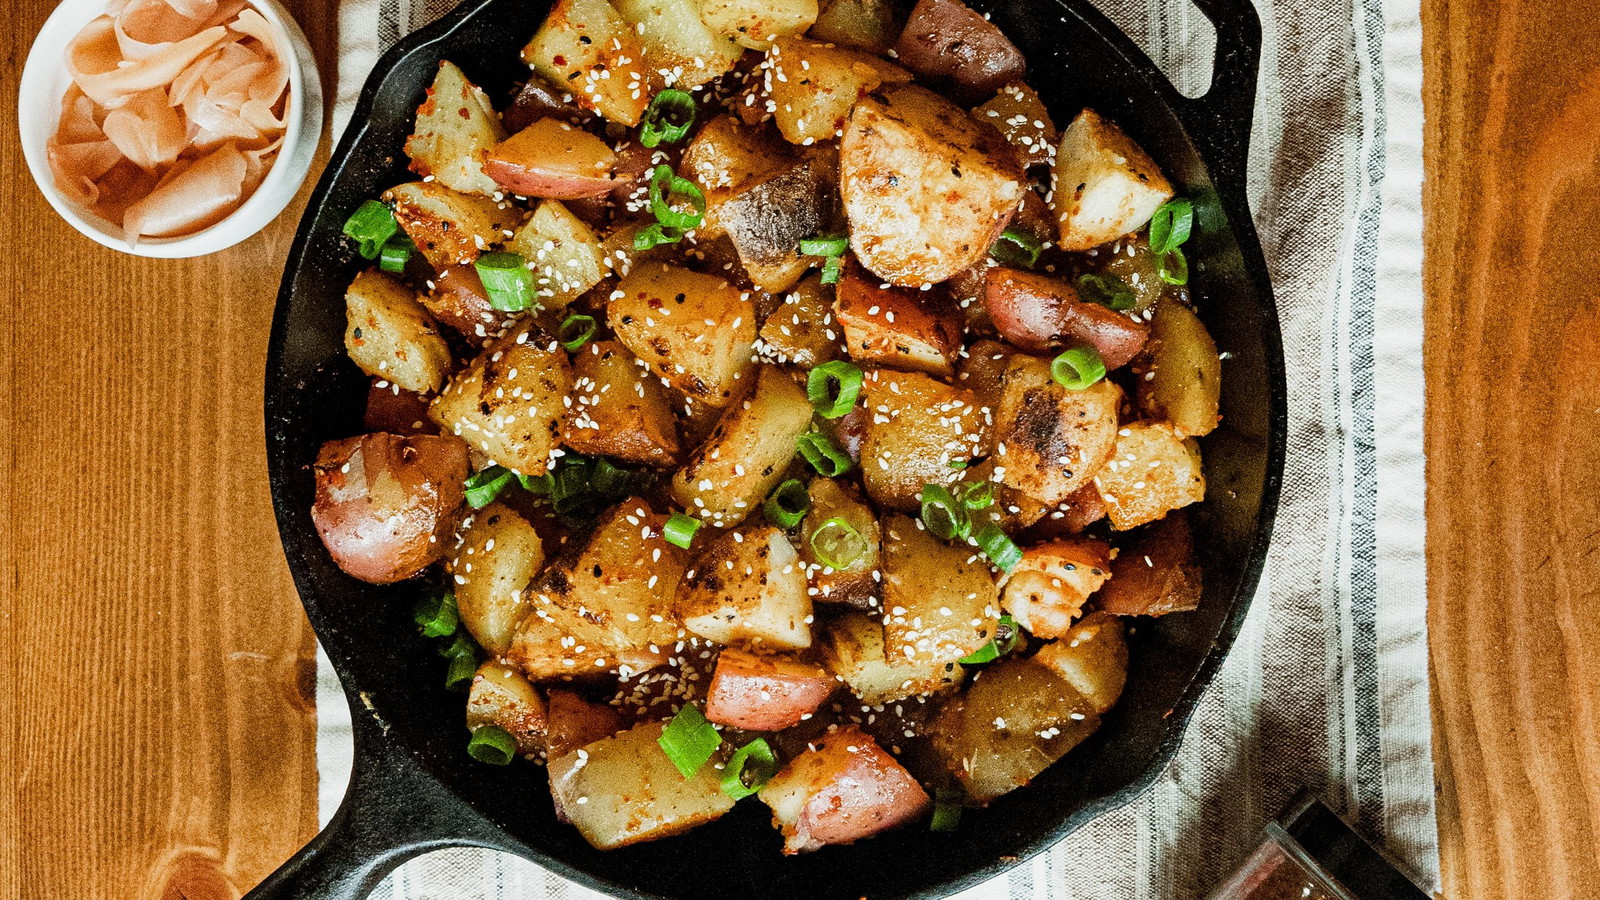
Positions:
{"x": 157, "y": 725}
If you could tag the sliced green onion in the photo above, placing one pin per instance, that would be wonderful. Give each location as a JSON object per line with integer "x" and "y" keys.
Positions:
{"x": 825, "y": 245}
{"x": 943, "y": 515}
{"x": 833, "y": 388}
{"x": 1017, "y": 248}
{"x": 666, "y": 185}
{"x": 1107, "y": 290}
{"x": 460, "y": 644}
{"x": 462, "y": 667}
{"x": 1078, "y": 369}
{"x": 959, "y": 464}
{"x": 837, "y": 544}
{"x": 372, "y": 224}
{"x": 1000, "y": 549}
{"x": 1173, "y": 267}
{"x": 507, "y": 280}
{"x": 396, "y": 252}
{"x": 788, "y": 504}
{"x": 492, "y": 744}
{"x": 483, "y": 487}
{"x": 689, "y": 740}
{"x": 946, "y": 810}
{"x": 576, "y": 331}
{"x": 656, "y": 235}
{"x": 436, "y": 615}
{"x": 832, "y": 270}
{"x": 1171, "y": 226}
{"x": 1003, "y": 642}
{"x": 609, "y": 479}
{"x": 540, "y": 485}
{"x": 979, "y": 495}
{"x": 823, "y": 454}
{"x": 679, "y": 530}
{"x": 749, "y": 769}
{"x": 667, "y": 119}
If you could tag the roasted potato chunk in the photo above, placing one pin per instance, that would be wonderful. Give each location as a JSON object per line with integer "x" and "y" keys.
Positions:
{"x": 745, "y": 456}
{"x": 855, "y": 652}
{"x": 572, "y": 722}
{"x": 1180, "y": 374}
{"x": 500, "y": 696}
{"x": 607, "y": 603}
{"x": 896, "y": 326}
{"x": 724, "y": 158}
{"x": 1155, "y": 573}
{"x": 1014, "y": 722}
{"x": 456, "y": 125}
{"x": 813, "y": 86}
{"x": 510, "y": 401}
{"x": 926, "y": 187}
{"x": 1038, "y": 313}
{"x": 495, "y": 556}
{"x": 386, "y": 505}
{"x": 552, "y": 158}
{"x": 766, "y": 220}
{"x": 844, "y": 788}
{"x": 390, "y": 335}
{"x": 1092, "y": 656}
{"x": 1050, "y": 440}
{"x": 618, "y": 410}
{"x": 1152, "y": 471}
{"x": 802, "y": 331}
{"x": 951, "y": 46}
{"x": 677, "y": 41}
{"x": 869, "y": 25}
{"x": 1049, "y": 586}
{"x": 765, "y": 693}
{"x": 585, "y": 46}
{"x": 1105, "y": 184}
{"x": 1021, "y": 116}
{"x": 853, "y": 580}
{"x": 449, "y": 228}
{"x": 696, "y": 331}
{"x": 458, "y": 299}
{"x": 747, "y": 588}
{"x": 624, "y": 790}
{"x": 566, "y": 253}
{"x": 756, "y": 23}
{"x": 940, "y": 601}
{"x": 919, "y": 433}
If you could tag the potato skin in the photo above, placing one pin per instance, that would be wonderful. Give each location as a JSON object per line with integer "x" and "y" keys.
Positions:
{"x": 927, "y": 188}
{"x": 844, "y": 789}
{"x": 1038, "y": 314}
{"x": 764, "y": 693}
{"x": 552, "y": 159}
{"x": 386, "y": 505}
{"x": 572, "y": 722}
{"x": 951, "y": 46}
{"x": 1156, "y": 572}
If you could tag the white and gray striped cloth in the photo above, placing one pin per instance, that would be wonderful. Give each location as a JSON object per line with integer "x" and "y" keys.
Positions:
{"x": 1328, "y": 683}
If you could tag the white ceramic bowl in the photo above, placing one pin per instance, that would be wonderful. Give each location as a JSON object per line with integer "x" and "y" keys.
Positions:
{"x": 45, "y": 82}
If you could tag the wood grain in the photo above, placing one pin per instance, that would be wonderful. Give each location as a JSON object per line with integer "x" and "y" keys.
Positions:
{"x": 156, "y": 730}
{"x": 1513, "y": 362}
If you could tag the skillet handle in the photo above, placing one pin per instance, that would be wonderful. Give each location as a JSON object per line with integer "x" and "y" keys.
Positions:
{"x": 1228, "y": 106}
{"x": 391, "y": 813}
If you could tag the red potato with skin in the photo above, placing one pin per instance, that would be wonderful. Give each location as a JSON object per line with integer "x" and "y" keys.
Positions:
{"x": 571, "y": 722}
{"x": 948, "y": 44}
{"x": 387, "y": 505}
{"x": 396, "y": 411}
{"x": 553, "y": 160}
{"x": 1039, "y": 314}
{"x": 765, "y": 693}
{"x": 843, "y": 789}
{"x": 460, "y": 301}
{"x": 1156, "y": 572}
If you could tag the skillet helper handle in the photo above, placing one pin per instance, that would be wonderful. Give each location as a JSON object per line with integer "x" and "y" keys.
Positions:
{"x": 391, "y": 813}
{"x": 1228, "y": 106}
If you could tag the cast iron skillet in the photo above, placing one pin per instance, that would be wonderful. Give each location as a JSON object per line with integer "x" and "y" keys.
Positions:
{"x": 414, "y": 788}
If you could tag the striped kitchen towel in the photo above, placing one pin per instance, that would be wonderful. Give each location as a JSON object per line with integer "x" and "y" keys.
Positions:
{"x": 1327, "y": 685}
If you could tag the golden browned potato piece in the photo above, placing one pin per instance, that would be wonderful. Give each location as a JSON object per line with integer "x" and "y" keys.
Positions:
{"x": 619, "y": 410}
{"x": 1050, "y": 440}
{"x": 813, "y": 86}
{"x": 677, "y": 40}
{"x": 585, "y": 46}
{"x": 1180, "y": 374}
{"x": 870, "y": 25}
{"x": 1049, "y": 586}
{"x": 386, "y": 505}
{"x": 854, "y": 651}
{"x": 495, "y": 556}
{"x": 939, "y": 599}
{"x": 747, "y": 588}
{"x": 732, "y": 473}
{"x": 566, "y": 254}
{"x": 843, "y": 788}
{"x": 1153, "y": 470}
{"x": 1155, "y": 573}
{"x": 725, "y": 157}
{"x": 389, "y": 334}
{"x": 500, "y": 696}
{"x": 449, "y": 228}
{"x": 926, "y": 187}
{"x": 510, "y": 401}
{"x": 895, "y": 326}
{"x": 768, "y": 218}
{"x": 756, "y": 23}
{"x": 802, "y": 331}
{"x": 696, "y": 331}
{"x": 624, "y": 790}
{"x": 920, "y": 432}
{"x": 1105, "y": 184}
{"x": 456, "y": 124}
{"x": 1092, "y": 656}
{"x": 1020, "y": 115}
{"x": 853, "y": 581}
